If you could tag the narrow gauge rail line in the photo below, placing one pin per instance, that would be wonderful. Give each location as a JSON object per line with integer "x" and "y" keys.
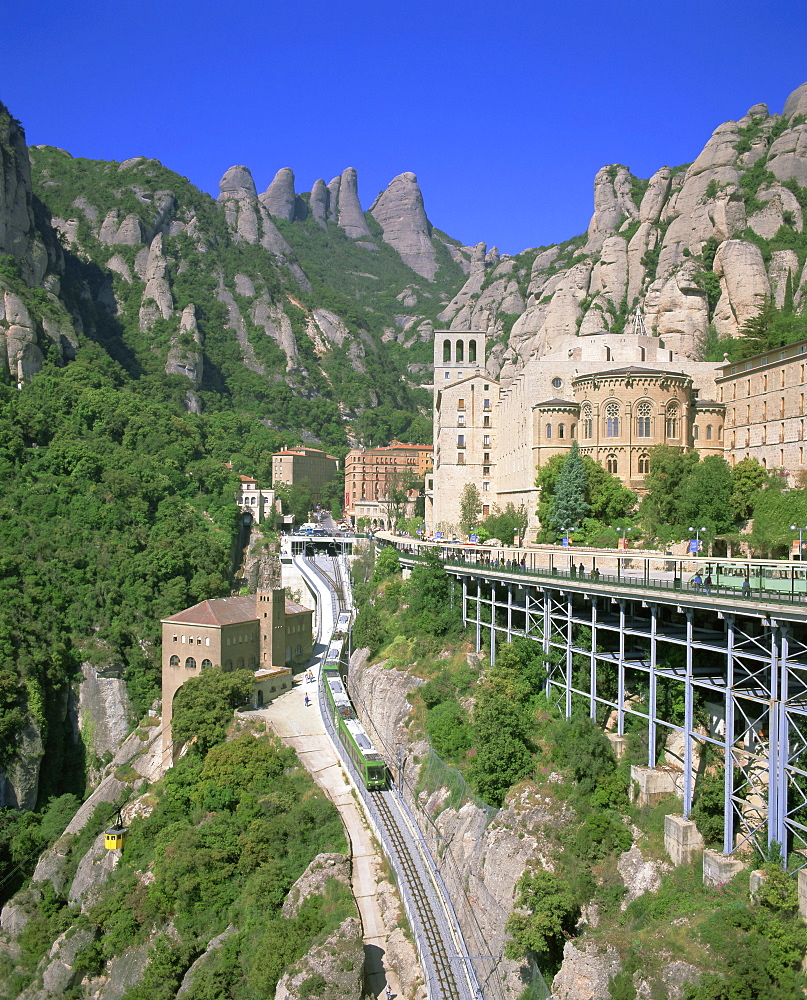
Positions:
{"x": 334, "y": 579}
{"x": 431, "y": 930}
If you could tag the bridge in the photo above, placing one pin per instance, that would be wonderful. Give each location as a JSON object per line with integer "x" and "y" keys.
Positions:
{"x": 637, "y": 642}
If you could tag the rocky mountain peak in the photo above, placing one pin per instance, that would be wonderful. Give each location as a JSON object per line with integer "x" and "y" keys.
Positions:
{"x": 237, "y": 183}
{"x": 400, "y": 212}
{"x": 796, "y": 104}
{"x": 278, "y": 199}
{"x": 351, "y": 217}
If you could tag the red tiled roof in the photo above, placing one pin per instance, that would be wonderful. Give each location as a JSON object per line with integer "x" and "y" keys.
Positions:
{"x": 220, "y": 611}
{"x": 294, "y": 609}
{"x": 247, "y": 479}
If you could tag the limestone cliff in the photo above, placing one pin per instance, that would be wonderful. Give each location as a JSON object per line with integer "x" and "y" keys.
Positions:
{"x": 665, "y": 243}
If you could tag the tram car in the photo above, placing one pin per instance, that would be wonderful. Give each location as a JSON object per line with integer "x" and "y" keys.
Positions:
{"x": 366, "y": 759}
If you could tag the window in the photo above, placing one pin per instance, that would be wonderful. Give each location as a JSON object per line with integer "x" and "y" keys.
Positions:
{"x": 190, "y": 663}
{"x": 557, "y": 383}
{"x": 206, "y": 663}
{"x": 672, "y": 420}
{"x": 782, "y": 407}
{"x": 643, "y": 411}
{"x": 485, "y": 404}
{"x": 460, "y": 440}
{"x": 485, "y": 487}
{"x": 460, "y": 420}
{"x": 587, "y": 422}
{"x": 611, "y": 464}
{"x": 612, "y": 420}
{"x": 460, "y": 458}
{"x": 644, "y": 465}
{"x": 548, "y": 431}
{"x": 486, "y": 458}
{"x": 485, "y": 510}
{"x": 298, "y": 649}
{"x": 460, "y": 404}
{"x": 459, "y": 352}
{"x": 182, "y": 638}
{"x": 485, "y": 470}
{"x": 176, "y": 638}
{"x": 486, "y": 421}
{"x": 695, "y": 432}
{"x": 472, "y": 352}
{"x": 448, "y": 374}
{"x": 561, "y": 430}
{"x": 446, "y": 352}
{"x": 174, "y": 661}
{"x": 486, "y": 440}
{"x": 708, "y": 432}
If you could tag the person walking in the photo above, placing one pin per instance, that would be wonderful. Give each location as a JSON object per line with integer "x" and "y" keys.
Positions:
{"x": 581, "y": 571}
{"x": 746, "y": 588}
{"x": 697, "y": 582}
{"x": 707, "y": 584}
{"x": 307, "y": 701}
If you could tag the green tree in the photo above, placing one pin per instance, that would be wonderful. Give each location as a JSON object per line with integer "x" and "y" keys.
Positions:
{"x": 570, "y": 506}
{"x": 748, "y": 478}
{"x": 470, "y": 508}
{"x": 552, "y": 915}
{"x": 387, "y": 564}
{"x": 432, "y": 608}
{"x": 203, "y": 706}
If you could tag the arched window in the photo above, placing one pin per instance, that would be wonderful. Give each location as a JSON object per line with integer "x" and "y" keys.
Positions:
{"x": 228, "y": 665}
{"x": 548, "y": 431}
{"x": 561, "y": 430}
{"x": 190, "y": 663}
{"x": 174, "y": 661}
{"x": 586, "y": 415}
{"x": 240, "y": 664}
{"x": 643, "y": 412}
{"x": 611, "y": 464}
{"x": 446, "y": 351}
{"x": 471, "y": 352}
{"x": 612, "y": 420}
{"x": 459, "y": 353}
{"x": 252, "y": 662}
{"x": 644, "y": 465}
{"x": 672, "y": 420}
{"x": 708, "y": 432}
{"x": 206, "y": 663}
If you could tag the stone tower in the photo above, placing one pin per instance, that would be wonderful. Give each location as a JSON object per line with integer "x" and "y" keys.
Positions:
{"x": 270, "y": 609}
{"x": 458, "y": 354}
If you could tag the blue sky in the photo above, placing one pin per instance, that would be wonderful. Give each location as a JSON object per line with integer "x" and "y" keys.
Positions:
{"x": 505, "y": 111}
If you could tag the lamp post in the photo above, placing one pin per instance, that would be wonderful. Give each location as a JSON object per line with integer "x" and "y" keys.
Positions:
{"x": 697, "y": 538}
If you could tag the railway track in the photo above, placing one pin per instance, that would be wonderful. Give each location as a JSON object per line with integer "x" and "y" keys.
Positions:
{"x": 433, "y": 934}
{"x": 333, "y": 579}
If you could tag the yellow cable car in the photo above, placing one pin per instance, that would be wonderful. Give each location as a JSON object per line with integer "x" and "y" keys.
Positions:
{"x": 115, "y": 836}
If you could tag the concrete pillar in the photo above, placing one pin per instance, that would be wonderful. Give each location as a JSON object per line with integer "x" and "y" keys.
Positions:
{"x": 618, "y": 744}
{"x": 654, "y": 783}
{"x": 803, "y": 894}
{"x": 681, "y": 839}
{"x": 719, "y": 868}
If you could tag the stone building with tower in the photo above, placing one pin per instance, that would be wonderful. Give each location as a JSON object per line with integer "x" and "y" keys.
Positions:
{"x": 263, "y": 632}
{"x": 618, "y": 395}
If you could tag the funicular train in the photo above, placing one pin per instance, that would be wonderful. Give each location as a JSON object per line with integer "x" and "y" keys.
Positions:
{"x": 366, "y": 759}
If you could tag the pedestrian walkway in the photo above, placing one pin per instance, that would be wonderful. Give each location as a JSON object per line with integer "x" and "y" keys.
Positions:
{"x": 301, "y": 727}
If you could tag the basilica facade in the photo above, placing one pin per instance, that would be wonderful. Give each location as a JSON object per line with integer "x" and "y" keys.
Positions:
{"x": 618, "y": 395}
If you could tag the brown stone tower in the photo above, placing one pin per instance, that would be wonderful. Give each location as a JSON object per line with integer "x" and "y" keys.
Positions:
{"x": 270, "y": 607}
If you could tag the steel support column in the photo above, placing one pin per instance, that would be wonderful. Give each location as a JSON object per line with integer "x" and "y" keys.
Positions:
{"x": 620, "y": 712}
{"x": 728, "y": 742}
{"x": 688, "y": 720}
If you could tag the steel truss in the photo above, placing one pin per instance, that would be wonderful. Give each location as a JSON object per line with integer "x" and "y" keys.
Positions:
{"x": 631, "y": 658}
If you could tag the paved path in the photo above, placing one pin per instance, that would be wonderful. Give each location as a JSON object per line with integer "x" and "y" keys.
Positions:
{"x": 302, "y": 727}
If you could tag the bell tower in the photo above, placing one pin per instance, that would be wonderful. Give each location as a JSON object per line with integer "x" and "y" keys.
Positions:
{"x": 458, "y": 354}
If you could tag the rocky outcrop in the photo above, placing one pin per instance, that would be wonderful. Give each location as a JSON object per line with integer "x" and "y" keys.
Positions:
{"x": 104, "y": 712}
{"x": 279, "y": 198}
{"x": 613, "y": 203}
{"x": 677, "y": 311}
{"x": 18, "y": 340}
{"x": 744, "y": 285}
{"x": 335, "y": 967}
{"x": 400, "y": 212}
{"x": 318, "y": 203}
{"x": 157, "y": 300}
{"x": 185, "y": 355}
{"x": 585, "y": 973}
{"x": 314, "y": 880}
{"x": 57, "y": 971}
{"x": 350, "y": 215}
{"x": 19, "y": 236}
{"x": 19, "y": 786}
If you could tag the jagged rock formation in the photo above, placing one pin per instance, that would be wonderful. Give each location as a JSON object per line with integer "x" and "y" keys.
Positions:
{"x": 661, "y": 242}
{"x": 279, "y": 198}
{"x": 336, "y": 965}
{"x": 400, "y": 213}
